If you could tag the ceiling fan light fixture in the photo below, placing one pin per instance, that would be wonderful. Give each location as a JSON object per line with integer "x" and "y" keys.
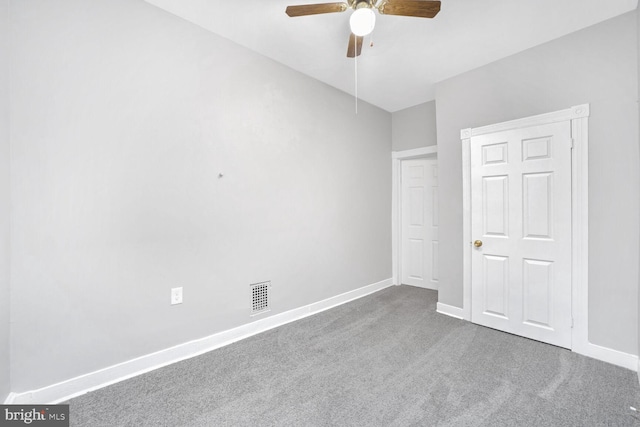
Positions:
{"x": 362, "y": 21}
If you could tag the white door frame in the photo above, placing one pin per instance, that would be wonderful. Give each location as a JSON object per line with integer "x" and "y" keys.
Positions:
{"x": 579, "y": 117}
{"x": 396, "y": 204}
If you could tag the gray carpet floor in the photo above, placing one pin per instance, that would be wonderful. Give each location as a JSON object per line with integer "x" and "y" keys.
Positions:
{"x": 384, "y": 360}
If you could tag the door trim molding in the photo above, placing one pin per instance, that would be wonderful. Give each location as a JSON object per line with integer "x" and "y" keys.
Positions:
{"x": 573, "y": 113}
{"x": 579, "y": 116}
{"x": 396, "y": 172}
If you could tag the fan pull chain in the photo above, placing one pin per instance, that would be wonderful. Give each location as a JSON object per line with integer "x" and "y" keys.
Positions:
{"x": 355, "y": 61}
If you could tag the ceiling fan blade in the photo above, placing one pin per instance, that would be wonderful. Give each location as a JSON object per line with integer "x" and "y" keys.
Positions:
{"x": 417, "y": 8}
{"x": 355, "y": 46}
{"x": 315, "y": 9}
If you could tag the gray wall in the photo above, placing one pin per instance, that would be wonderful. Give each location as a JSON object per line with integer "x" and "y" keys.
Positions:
{"x": 122, "y": 118}
{"x": 4, "y": 200}
{"x": 414, "y": 127}
{"x": 597, "y": 65}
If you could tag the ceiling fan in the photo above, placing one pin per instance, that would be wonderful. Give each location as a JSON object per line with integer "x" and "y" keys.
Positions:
{"x": 363, "y": 17}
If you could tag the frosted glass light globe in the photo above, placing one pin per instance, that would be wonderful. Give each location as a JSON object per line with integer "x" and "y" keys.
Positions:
{"x": 362, "y": 21}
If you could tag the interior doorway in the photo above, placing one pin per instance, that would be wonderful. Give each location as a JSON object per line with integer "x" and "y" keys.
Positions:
{"x": 525, "y": 227}
{"x": 419, "y": 222}
{"x": 415, "y": 217}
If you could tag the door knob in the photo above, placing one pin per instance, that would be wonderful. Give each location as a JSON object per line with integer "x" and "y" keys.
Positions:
{"x": 477, "y": 243}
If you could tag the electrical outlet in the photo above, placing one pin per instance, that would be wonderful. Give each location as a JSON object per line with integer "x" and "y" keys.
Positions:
{"x": 176, "y": 296}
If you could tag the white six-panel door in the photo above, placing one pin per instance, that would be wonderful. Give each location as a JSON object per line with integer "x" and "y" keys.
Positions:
{"x": 419, "y": 223}
{"x": 521, "y": 227}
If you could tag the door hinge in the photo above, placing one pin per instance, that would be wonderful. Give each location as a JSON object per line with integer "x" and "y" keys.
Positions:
{"x": 572, "y": 323}
{"x": 573, "y": 142}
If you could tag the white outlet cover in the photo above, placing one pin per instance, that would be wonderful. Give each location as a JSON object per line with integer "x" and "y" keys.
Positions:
{"x": 176, "y": 296}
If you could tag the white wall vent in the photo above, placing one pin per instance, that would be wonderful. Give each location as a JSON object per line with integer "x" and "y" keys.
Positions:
{"x": 260, "y": 297}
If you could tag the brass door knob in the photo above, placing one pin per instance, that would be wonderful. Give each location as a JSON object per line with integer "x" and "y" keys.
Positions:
{"x": 477, "y": 243}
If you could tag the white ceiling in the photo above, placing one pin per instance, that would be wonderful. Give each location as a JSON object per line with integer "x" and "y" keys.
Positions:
{"x": 409, "y": 55}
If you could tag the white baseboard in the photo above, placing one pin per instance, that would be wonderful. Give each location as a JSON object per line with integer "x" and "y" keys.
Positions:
{"x": 450, "y": 310}
{"x": 605, "y": 354}
{"x": 77, "y": 386}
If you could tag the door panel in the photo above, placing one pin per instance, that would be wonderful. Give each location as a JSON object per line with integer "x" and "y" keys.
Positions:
{"x": 521, "y": 212}
{"x": 416, "y": 259}
{"x": 495, "y": 282}
{"x": 435, "y": 250}
{"x": 416, "y": 204}
{"x": 495, "y": 205}
{"x": 537, "y": 191}
{"x": 537, "y": 279}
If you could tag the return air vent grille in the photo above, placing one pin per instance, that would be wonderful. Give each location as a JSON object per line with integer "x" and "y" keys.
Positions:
{"x": 260, "y": 297}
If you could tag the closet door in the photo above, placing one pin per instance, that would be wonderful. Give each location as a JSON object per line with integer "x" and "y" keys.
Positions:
{"x": 521, "y": 227}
